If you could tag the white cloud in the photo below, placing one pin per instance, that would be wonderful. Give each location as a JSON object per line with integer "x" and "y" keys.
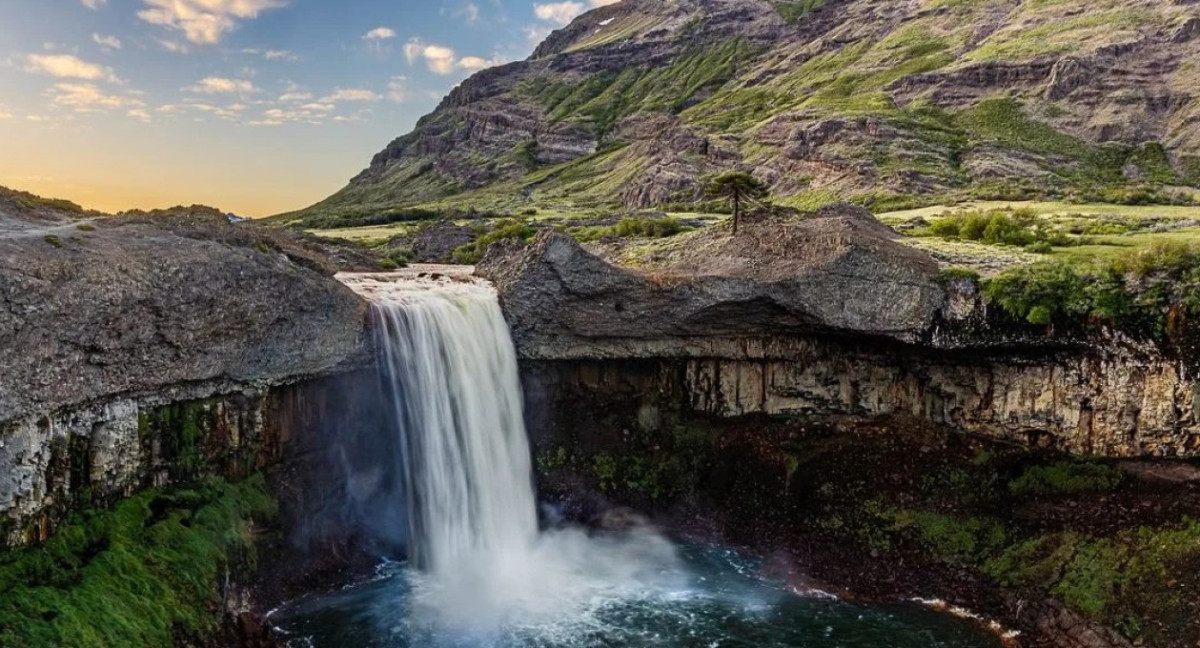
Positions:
{"x": 87, "y": 97}
{"x": 292, "y": 97}
{"x": 232, "y": 112}
{"x": 440, "y": 59}
{"x": 110, "y": 42}
{"x": 93, "y": 4}
{"x": 350, "y": 94}
{"x": 5, "y": 114}
{"x": 398, "y": 89}
{"x": 172, "y": 46}
{"x": 315, "y": 115}
{"x": 558, "y": 12}
{"x": 379, "y": 34}
{"x": 221, "y": 85}
{"x": 476, "y": 63}
{"x": 204, "y": 22}
{"x": 563, "y": 13}
{"x": 273, "y": 55}
{"x": 66, "y": 66}
{"x": 139, "y": 114}
{"x": 469, "y": 13}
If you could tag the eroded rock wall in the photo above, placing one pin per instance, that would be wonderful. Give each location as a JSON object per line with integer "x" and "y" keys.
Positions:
{"x": 323, "y": 442}
{"x": 1114, "y": 404}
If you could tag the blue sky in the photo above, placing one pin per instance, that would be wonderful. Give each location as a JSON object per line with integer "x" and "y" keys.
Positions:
{"x": 255, "y": 106}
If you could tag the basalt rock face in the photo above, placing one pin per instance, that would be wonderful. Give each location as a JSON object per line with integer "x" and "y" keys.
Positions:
{"x": 136, "y": 351}
{"x": 633, "y": 103}
{"x": 824, "y": 315}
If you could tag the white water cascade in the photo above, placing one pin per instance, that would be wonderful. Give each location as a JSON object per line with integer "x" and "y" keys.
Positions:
{"x": 452, "y": 370}
{"x": 479, "y": 558}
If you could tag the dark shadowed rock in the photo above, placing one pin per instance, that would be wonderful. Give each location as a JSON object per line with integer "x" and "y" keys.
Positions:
{"x": 834, "y": 270}
{"x": 434, "y": 243}
{"x": 105, "y": 307}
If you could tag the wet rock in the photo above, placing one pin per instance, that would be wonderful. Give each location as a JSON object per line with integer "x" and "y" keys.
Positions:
{"x": 1068, "y": 629}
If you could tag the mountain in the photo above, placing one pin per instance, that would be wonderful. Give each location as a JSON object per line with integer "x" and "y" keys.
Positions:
{"x": 881, "y": 101}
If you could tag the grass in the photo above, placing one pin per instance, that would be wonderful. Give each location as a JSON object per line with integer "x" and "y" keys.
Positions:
{"x": 1067, "y": 477}
{"x": 1048, "y": 208}
{"x": 795, "y": 11}
{"x": 143, "y": 575}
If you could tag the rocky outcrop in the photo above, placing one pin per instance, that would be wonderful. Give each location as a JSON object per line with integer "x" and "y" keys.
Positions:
{"x": 825, "y": 315}
{"x": 834, "y": 270}
{"x": 113, "y": 307}
{"x": 106, "y": 321}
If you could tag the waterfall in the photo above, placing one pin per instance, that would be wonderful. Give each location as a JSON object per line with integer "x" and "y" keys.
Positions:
{"x": 477, "y": 559}
{"x": 452, "y": 369}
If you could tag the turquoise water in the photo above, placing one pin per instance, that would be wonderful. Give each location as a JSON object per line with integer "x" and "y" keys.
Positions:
{"x": 717, "y": 600}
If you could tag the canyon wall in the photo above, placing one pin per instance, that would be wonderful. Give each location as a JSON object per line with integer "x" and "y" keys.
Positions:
{"x": 826, "y": 314}
{"x": 325, "y": 444}
{"x": 1102, "y": 404}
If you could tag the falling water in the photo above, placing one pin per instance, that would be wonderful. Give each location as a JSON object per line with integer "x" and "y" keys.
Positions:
{"x": 480, "y": 574}
{"x": 479, "y": 558}
{"x": 452, "y": 370}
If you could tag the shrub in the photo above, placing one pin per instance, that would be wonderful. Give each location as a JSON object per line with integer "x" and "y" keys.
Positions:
{"x": 1019, "y": 227}
{"x": 1067, "y": 477}
{"x": 632, "y": 227}
{"x": 950, "y": 275}
{"x": 473, "y": 252}
{"x": 1138, "y": 293}
{"x": 54, "y": 240}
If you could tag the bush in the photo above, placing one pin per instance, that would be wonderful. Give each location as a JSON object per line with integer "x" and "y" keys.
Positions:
{"x": 1067, "y": 477}
{"x": 632, "y": 227}
{"x": 950, "y": 275}
{"x": 1019, "y": 227}
{"x": 1140, "y": 293}
{"x": 473, "y": 252}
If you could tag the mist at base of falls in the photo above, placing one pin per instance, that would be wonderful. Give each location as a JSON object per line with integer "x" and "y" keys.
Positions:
{"x": 711, "y": 598}
{"x": 479, "y": 571}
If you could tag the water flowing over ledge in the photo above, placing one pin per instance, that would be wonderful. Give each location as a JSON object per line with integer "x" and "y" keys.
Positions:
{"x": 480, "y": 572}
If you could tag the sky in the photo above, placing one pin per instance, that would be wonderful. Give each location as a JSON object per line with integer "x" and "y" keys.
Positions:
{"x": 253, "y": 106}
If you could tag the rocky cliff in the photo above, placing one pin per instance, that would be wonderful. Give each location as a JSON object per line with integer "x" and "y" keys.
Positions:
{"x": 825, "y": 315}
{"x": 633, "y": 103}
{"x": 105, "y": 321}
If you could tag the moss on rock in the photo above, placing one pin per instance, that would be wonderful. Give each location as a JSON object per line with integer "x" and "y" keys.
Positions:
{"x": 142, "y": 575}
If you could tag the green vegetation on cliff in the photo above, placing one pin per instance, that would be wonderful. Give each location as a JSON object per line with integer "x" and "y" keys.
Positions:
{"x": 960, "y": 515}
{"x": 146, "y": 574}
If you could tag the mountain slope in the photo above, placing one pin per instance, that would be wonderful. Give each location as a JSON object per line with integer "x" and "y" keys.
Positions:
{"x": 632, "y": 104}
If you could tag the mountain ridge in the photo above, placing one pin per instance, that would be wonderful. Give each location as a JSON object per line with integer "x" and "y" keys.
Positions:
{"x": 632, "y": 104}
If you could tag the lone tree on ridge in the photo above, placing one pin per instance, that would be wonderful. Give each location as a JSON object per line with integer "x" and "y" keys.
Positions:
{"x": 736, "y": 186}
